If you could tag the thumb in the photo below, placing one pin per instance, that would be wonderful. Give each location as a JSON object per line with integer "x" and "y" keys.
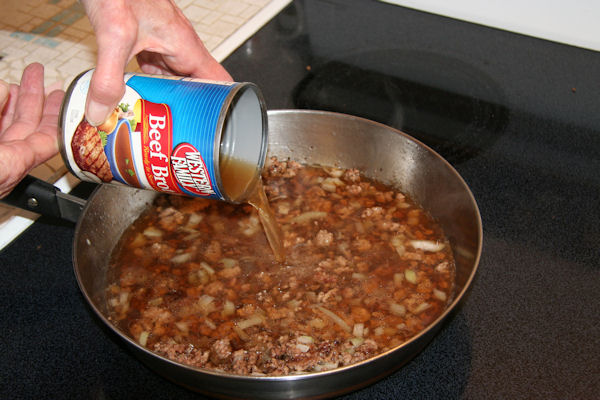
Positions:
{"x": 107, "y": 86}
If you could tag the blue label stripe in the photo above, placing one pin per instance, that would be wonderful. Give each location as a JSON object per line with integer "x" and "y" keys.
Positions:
{"x": 195, "y": 109}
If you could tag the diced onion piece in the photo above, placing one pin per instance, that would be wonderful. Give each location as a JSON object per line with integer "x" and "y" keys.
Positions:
{"x": 240, "y": 332}
{"x": 410, "y": 276}
{"x": 325, "y": 366}
{"x": 357, "y": 341}
{"x": 397, "y": 309}
{"x": 195, "y": 219}
{"x": 328, "y": 186}
{"x": 397, "y": 243}
{"x": 427, "y": 245}
{"x": 302, "y": 347}
{"x": 153, "y": 232}
{"x": 181, "y": 258}
{"x": 207, "y": 268}
{"x": 138, "y": 241}
{"x": 255, "y": 319}
{"x": 144, "y": 338}
{"x": 305, "y": 339}
{"x": 205, "y": 303}
{"x": 334, "y": 172}
{"x": 379, "y": 331}
{"x": 358, "y": 330}
{"x": 208, "y": 322}
{"x": 182, "y": 326}
{"x": 308, "y": 216}
{"x": 335, "y": 318}
{"x": 283, "y": 208}
{"x": 421, "y": 307}
{"x": 440, "y": 295}
{"x": 228, "y": 308}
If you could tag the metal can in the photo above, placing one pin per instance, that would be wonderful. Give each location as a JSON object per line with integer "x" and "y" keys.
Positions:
{"x": 170, "y": 134}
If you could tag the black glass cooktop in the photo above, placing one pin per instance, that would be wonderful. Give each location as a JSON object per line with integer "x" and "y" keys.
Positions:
{"x": 516, "y": 116}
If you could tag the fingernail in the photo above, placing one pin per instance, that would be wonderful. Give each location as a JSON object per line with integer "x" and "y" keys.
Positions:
{"x": 97, "y": 113}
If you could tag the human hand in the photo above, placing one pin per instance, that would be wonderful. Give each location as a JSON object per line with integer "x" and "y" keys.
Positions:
{"x": 157, "y": 33}
{"x": 28, "y": 126}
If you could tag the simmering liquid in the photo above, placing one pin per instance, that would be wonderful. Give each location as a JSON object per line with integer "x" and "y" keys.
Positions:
{"x": 366, "y": 270}
{"x": 242, "y": 182}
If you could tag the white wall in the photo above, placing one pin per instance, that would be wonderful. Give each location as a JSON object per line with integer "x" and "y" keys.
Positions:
{"x": 573, "y": 22}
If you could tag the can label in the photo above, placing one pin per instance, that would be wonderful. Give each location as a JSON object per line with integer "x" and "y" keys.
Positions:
{"x": 164, "y": 135}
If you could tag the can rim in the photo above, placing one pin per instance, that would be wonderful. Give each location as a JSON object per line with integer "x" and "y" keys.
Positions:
{"x": 241, "y": 88}
{"x": 61, "y": 120}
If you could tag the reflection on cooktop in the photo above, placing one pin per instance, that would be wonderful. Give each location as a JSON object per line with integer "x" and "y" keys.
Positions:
{"x": 456, "y": 125}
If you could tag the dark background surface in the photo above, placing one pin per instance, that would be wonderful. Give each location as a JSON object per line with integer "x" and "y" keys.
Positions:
{"x": 516, "y": 116}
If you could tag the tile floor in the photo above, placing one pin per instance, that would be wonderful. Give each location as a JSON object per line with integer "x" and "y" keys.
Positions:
{"x": 58, "y": 34}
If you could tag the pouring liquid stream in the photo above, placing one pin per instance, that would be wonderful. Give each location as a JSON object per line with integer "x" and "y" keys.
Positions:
{"x": 235, "y": 175}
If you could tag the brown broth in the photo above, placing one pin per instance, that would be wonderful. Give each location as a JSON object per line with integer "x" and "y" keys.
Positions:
{"x": 239, "y": 181}
{"x": 194, "y": 280}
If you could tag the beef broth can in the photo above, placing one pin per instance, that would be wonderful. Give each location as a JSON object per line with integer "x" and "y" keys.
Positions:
{"x": 170, "y": 134}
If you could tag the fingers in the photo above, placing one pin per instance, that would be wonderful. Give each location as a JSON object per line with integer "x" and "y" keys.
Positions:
{"x": 26, "y": 103}
{"x": 116, "y": 35}
{"x": 107, "y": 86}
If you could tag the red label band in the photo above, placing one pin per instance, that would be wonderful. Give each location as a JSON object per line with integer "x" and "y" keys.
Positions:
{"x": 157, "y": 142}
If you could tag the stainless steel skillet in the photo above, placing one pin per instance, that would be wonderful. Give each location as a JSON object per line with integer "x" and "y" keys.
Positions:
{"x": 312, "y": 137}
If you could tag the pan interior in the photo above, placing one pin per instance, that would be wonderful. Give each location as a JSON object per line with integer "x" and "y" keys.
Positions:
{"x": 310, "y": 137}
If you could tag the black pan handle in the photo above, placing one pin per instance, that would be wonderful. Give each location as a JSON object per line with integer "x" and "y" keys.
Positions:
{"x": 33, "y": 194}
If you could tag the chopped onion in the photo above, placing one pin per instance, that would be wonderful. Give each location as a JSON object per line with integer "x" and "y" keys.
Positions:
{"x": 358, "y": 330}
{"x": 317, "y": 323}
{"x": 379, "y": 331}
{"x": 397, "y": 243}
{"x": 205, "y": 302}
{"x": 207, "y": 268}
{"x": 410, "y": 276}
{"x": 181, "y": 258}
{"x": 427, "y": 245}
{"x": 357, "y": 341}
{"x": 397, "y": 309}
{"x": 308, "y": 216}
{"x": 421, "y": 307}
{"x": 144, "y": 338}
{"x": 302, "y": 347}
{"x": 334, "y": 172}
{"x": 195, "y": 219}
{"x": 240, "y": 332}
{"x": 138, "y": 241}
{"x": 210, "y": 324}
{"x": 255, "y": 319}
{"x": 305, "y": 339}
{"x": 182, "y": 326}
{"x": 440, "y": 295}
{"x": 325, "y": 366}
{"x": 228, "y": 308}
{"x": 153, "y": 232}
{"x": 335, "y": 318}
